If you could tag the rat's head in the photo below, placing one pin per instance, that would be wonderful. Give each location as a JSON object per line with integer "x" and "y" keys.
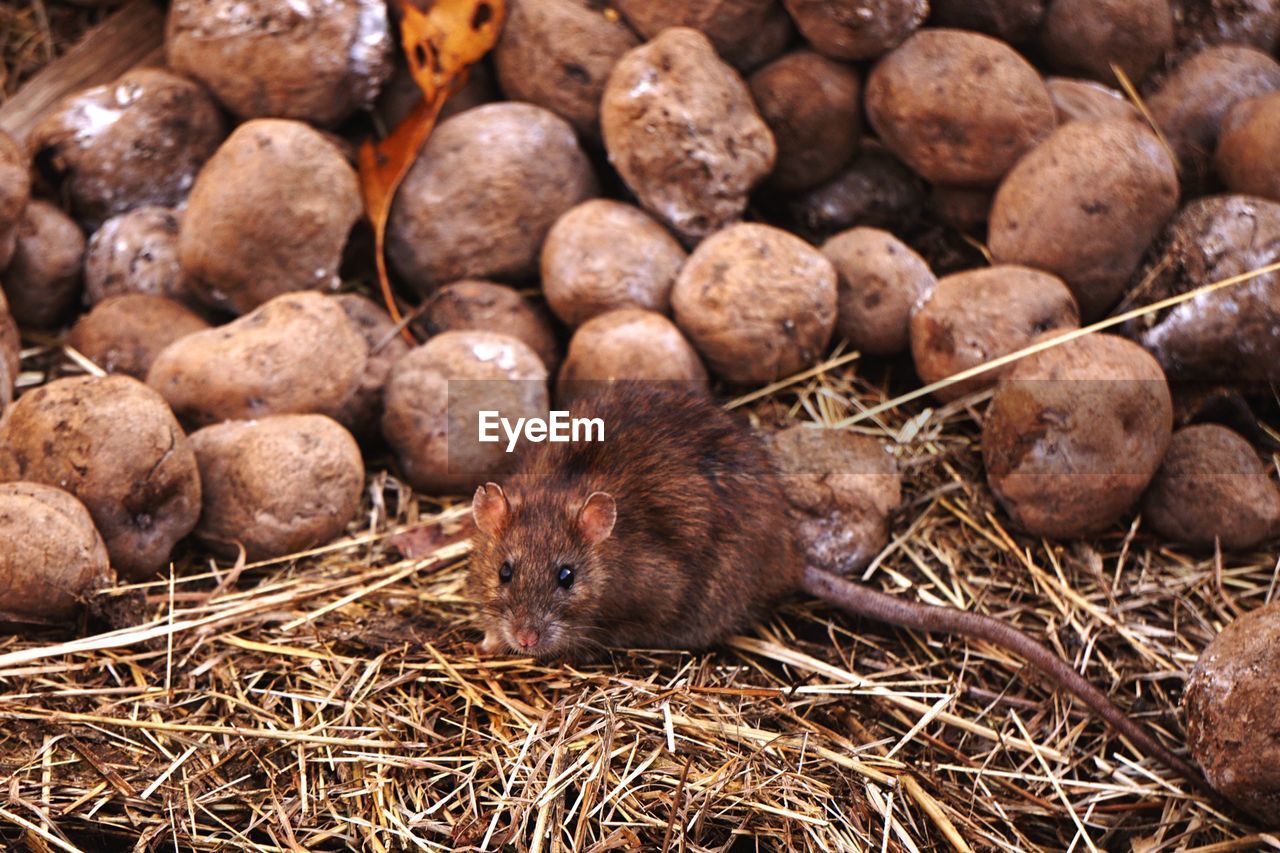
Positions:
{"x": 537, "y": 569}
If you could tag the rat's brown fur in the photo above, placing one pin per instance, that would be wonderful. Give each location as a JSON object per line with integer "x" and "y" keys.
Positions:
{"x": 702, "y": 546}
{"x": 693, "y": 490}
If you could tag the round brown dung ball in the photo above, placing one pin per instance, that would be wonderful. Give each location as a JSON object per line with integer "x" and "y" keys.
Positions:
{"x": 1247, "y": 159}
{"x": 1084, "y": 205}
{"x": 487, "y": 307}
{"x": 1232, "y": 715}
{"x": 747, "y": 33}
{"x": 1087, "y": 100}
{"x": 813, "y": 108}
{"x": 277, "y": 485}
{"x": 856, "y": 29}
{"x": 363, "y": 410}
{"x": 434, "y": 398}
{"x": 1190, "y": 104}
{"x": 1075, "y": 433}
{"x": 52, "y": 556}
{"x": 1228, "y": 335}
{"x": 681, "y": 129}
{"x": 135, "y": 252}
{"x": 631, "y": 343}
{"x": 558, "y": 54}
{"x": 270, "y": 213}
{"x": 959, "y": 108}
{"x": 483, "y": 193}
{"x": 757, "y": 303}
{"x": 1089, "y": 36}
{"x": 313, "y": 60}
{"x": 137, "y": 141}
{"x": 1013, "y": 21}
{"x": 124, "y": 334}
{"x": 113, "y": 443}
{"x": 604, "y": 255}
{"x": 842, "y": 488}
{"x": 879, "y": 279}
{"x": 297, "y": 354}
{"x": 44, "y": 277}
{"x": 15, "y": 191}
{"x": 975, "y": 316}
{"x": 1212, "y": 487}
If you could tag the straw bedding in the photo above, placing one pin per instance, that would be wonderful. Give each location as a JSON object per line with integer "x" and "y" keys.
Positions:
{"x": 332, "y": 700}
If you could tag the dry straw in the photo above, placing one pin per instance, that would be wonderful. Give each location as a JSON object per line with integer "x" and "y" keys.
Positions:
{"x": 331, "y": 701}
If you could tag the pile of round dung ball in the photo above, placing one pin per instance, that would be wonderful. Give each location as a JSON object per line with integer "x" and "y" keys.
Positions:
{"x": 725, "y": 193}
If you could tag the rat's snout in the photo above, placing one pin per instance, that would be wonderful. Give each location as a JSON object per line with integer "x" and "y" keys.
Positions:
{"x": 526, "y": 638}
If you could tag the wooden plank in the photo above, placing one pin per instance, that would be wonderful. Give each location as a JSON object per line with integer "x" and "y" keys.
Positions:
{"x": 131, "y": 36}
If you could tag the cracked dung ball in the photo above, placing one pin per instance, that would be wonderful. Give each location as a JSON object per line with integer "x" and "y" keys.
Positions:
{"x": 842, "y": 489}
{"x": 136, "y": 252}
{"x": 1075, "y": 433}
{"x": 53, "y": 555}
{"x": 139, "y": 140}
{"x": 317, "y": 61}
{"x": 1233, "y": 720}
{"x": 1229, "y": 335}
{"x": 683, "y": 132}
{"x": 978, "y": 315}
{"x": 112, "y": 443}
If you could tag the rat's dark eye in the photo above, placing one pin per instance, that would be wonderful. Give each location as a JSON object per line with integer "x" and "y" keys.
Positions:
{"x": 504, "y": 573}
{"x": 565, "y": 577}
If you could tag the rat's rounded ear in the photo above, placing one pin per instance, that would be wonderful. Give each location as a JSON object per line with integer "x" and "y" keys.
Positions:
{"x": 596, "y": 518}
{"x": 490, "y": 509}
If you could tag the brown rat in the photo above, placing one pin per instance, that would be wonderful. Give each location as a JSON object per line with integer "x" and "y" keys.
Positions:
{"x": 672, "y": 532}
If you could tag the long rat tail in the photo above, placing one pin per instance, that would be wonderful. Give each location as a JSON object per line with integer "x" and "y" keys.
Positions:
{"x": 862, "y": 600}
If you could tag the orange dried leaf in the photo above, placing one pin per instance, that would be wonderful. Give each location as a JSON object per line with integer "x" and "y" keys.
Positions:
{"x": 441, "y": 43}
{"x": 447, "y": 38}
